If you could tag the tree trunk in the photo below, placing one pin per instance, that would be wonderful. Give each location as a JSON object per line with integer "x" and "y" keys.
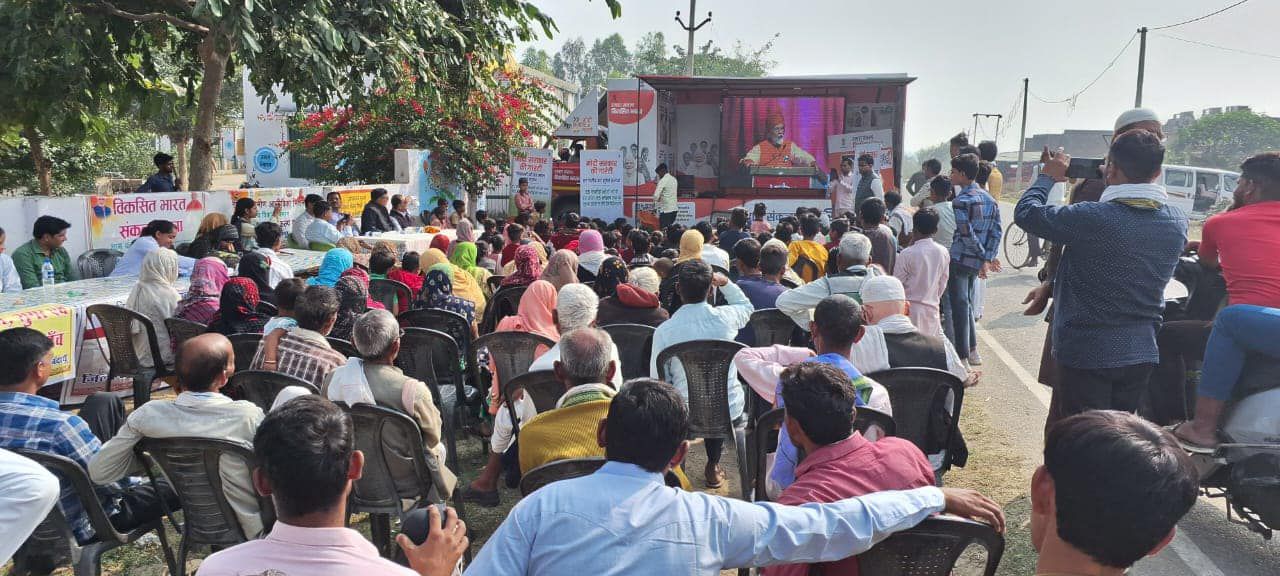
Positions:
{"x": 44, "y": 168}
{"x": 180, "y": 170}
{"x": 215, "y": 50}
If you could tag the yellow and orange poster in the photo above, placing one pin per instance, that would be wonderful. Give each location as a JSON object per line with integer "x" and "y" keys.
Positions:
{"x": 55, "y": 321}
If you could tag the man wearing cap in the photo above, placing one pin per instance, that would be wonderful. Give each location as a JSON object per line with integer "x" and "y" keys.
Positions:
{"x": 775, "y": 151}
{"x": 892, "y": 341}
{"x": 1108, "y": 288}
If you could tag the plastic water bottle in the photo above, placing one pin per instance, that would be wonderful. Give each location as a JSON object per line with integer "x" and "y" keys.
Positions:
{"x": 46, "y": 273}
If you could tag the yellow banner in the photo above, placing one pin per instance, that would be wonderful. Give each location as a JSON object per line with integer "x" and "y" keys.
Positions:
{"x": 58, "y": 323}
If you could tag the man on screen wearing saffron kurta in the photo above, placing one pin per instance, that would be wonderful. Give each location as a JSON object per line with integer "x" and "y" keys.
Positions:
{"x": 775, "y": 151}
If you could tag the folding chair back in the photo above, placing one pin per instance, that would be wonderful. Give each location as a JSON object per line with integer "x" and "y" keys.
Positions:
{"x": 635, "y": 348}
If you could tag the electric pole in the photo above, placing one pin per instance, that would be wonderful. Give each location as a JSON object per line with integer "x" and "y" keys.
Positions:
{"x": 691, "y": 28}
{"x": 1022, "y": 137}
{"x": 1142, "y": 64}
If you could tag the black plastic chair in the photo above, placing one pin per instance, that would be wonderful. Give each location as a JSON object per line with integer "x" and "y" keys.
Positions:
{"x": 494, "y": 282}
{"x": 763, "y": 440}
{"x": 54, "y": 537}
{"x": 97, "y": 263}
{"x": 180, "y": 330}
{"x": 806, "y": 269}
{"x": 918, "y": 395}
{"x": 117, "y": 322}
{"x": 558, "y": 470}
{"x": 874, "y": 424}
{"x": 512, "y": 352}
{"x": 505, "y": 302}
{"x": 541, "y": 386}
{"x": 343, "y": 347}
{"x": 267, "y": 309}
{"x": 245, "y": 346}
{"x": 706, "y": 366}
{"x": 456, "y": 326}
{"x": 932, "y": 548}
{"x": 262, "y": 386}
{"x": 432, "y": 357}
{"x": 771, "y": 326}
{"x": 194, "y": 467}
{"x": 635, "y": 348}
{"x": 391, "y": 293}
{"x": 396, "y": 468}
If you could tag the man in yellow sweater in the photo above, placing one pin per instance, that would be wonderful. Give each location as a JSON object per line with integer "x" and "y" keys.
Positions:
{"x": 810, "y": 249}
{"x": 585, "y": 368}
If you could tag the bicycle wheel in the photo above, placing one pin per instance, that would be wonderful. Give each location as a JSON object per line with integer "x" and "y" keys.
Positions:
{"x": 1017, "y": 250}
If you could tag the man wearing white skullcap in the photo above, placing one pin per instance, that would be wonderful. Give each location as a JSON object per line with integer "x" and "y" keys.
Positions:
{"x": 892, "y": 341}
{"x": 1139, "y": 118}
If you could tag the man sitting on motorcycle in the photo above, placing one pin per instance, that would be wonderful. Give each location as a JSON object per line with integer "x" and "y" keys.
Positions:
{"x": 1245, "y": 242}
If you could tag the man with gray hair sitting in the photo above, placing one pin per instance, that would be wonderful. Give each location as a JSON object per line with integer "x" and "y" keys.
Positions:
{"x": 569, "y": 431}
{"x": 576, "y": 308}
{"x": 374, "y": 379}
{"x": 854, "y": 269}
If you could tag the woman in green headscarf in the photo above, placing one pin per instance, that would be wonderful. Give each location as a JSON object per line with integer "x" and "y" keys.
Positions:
{"x": 464, "y": 257}
{"x": 464, "y": 284}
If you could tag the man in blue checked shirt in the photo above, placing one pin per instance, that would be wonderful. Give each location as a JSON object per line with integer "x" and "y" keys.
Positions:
{"x": 974, "y": 250}
{"x": 35, "y": 423}
{"x": 624, "y": 520}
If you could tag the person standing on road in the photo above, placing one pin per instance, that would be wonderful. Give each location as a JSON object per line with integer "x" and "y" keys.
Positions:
{"x": 974, "y": 251}
{"x": 1120, "y": 255}
{"x": 664, "y": 197}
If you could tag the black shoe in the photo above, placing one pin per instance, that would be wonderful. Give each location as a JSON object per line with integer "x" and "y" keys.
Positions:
{"x": 487, "y": 499}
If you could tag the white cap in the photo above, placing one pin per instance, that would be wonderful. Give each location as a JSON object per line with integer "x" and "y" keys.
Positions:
{"x": 1137, "y": 115}
{"x": 883, "y": 289}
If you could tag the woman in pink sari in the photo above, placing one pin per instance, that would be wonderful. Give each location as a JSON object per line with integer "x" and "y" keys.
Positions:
{"x": 536, "y": 315}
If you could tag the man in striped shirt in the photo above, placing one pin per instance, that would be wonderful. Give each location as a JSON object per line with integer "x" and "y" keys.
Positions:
{"x": 303, "y": 351}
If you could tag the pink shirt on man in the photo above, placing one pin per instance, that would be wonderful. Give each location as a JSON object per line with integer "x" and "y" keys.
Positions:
{"x": 852, "y": 467}
{"x": 294, "y": 551}
{"x": 923, "y": 269}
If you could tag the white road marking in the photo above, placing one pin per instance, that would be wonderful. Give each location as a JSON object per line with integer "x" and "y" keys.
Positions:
{"x": 1040, "y": 391}
{"x": 1182, "y": 545}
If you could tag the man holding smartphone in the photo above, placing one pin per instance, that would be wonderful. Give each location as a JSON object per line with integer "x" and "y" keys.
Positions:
{"x": 1110, "y": 281}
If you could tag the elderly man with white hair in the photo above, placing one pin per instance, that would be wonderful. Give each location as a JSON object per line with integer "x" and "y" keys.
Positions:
{"x": 374, "y": 379}
{"x": 576, "y": 308}
{"x": 854, "y": 270}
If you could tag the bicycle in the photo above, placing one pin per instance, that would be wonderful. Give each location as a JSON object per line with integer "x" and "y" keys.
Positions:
{"x": 1017, "y": 246}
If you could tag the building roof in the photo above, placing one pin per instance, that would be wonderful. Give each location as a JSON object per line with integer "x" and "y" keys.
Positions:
{"x": 810, "y": 81}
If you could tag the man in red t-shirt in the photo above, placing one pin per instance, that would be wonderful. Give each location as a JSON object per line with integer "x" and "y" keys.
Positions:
{"x": 1244, "y": 241}
{"x": 515, "y": 234}
{"x": 819, "y": 400}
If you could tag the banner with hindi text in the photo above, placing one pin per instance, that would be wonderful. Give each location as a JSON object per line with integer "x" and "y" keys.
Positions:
{"x": 115, "y": 221}
{"x": 535, "y": 165}
{"x": 601, "y": 191}
{"x": 58, "y": 323}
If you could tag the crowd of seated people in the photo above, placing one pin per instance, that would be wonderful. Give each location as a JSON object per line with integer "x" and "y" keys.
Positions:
{"x": 884, "y": 286}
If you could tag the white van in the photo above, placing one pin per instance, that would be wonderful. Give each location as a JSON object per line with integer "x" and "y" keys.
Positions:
{"x": 1196, "y": 190}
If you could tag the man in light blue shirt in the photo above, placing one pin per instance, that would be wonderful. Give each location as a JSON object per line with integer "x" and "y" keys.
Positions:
{"x": 698, "y": 320}
{"x": 624, "y": 520}
{"x": 320, "y": 230}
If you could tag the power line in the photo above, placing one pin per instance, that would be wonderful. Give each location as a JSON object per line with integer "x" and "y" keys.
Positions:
{"x": 1224, "y": 48}
{"x": 1072, "y": 99}
{"x": 1209, "y": 15}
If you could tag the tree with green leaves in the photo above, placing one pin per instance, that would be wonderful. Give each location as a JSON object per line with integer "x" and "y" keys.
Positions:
{"x": 63, "y": 71}
{"x": 1225, "y": 140}
{"x": 322, "y": 53}
{"x": 538, "y": 59}
{"x": 609, "y": 57}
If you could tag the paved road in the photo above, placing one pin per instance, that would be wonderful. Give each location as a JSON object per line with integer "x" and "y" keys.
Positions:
{"x": 1206, "y": 545}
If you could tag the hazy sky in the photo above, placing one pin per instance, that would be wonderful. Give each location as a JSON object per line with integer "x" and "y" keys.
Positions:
{"x": 971, "y": 56}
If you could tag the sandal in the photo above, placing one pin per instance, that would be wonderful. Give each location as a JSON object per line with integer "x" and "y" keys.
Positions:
{"x": 485, "y": 499}
{"x": 1188, "y": 445}
{"x": 714, "y": 478}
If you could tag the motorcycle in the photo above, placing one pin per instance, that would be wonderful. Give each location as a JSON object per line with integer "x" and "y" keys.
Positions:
{"x": 1245, "y": 469}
